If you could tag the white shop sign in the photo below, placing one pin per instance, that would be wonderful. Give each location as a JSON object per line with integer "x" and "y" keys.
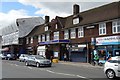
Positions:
{"x": 109, "y": 40}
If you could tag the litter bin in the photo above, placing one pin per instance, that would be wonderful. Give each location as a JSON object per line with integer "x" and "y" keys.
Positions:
{"x": 55, "y": 60}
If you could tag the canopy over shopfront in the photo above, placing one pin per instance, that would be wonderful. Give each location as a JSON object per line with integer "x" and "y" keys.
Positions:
{"x": 54, "y": 41}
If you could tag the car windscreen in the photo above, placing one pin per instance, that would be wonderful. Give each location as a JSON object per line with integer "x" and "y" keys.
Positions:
{"x": 39, "y": 57}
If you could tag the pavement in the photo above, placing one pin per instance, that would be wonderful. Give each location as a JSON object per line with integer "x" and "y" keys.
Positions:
{"x": 79, "y": 64}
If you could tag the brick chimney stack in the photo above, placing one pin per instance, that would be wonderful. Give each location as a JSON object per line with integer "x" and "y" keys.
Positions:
{"x": 46, "y": 19}
{"x": 75, "y": 9}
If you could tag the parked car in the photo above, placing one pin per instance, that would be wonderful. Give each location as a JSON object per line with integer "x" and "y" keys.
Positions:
{"x": 23, "y": 57}
{"x": 10, "y": 56}
{"x": 3, "y": 56}
{"x": 38, "y": 61}
{"x": 112, "y": 67}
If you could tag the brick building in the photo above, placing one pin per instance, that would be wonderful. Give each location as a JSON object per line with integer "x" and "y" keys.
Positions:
{"x": 78, "y": 34}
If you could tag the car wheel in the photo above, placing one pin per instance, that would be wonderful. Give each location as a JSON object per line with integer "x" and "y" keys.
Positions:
{"x": 37, "y": 64}
{"x": 50, "y": 65}
{"x": 110, "y": 74}
{"x": 8, "y": 58}
{"x": 26, "y": 63}
{"x": 100, "y": 64}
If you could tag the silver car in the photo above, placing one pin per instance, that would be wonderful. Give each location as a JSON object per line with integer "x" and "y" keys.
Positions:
{"x": 38, "y": 61}
{"x": 23, "y": 57}
{"x": 3, "y": 56}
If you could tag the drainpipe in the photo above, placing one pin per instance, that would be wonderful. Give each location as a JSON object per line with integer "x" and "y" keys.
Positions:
{"x": 87, "y": 45}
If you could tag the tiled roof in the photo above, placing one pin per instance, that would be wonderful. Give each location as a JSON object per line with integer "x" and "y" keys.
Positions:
{"x": 103, "y": 13}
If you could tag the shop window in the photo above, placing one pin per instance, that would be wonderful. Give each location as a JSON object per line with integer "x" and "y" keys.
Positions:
{"x": 73, "y": 33}
{"x": 66, "y": 34}
{"x": 102, "y": 28}
{"x": 102, "y": 54}
{"x": 117, "y": 52}
{"x": 80, "y": 32}
{"x": 116, "y": 27}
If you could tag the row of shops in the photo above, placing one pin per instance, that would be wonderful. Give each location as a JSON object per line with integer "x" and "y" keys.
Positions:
{"x": 105, "y": 47}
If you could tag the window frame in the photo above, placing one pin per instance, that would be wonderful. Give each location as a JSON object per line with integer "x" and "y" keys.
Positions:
{"x": 46, "y": 28}
{"x": 81, "y": 32}
{"x": 66, "y": 34}
{"x": 73, "y": 32}
{"x": 39, "y": 38}
{"x": 76, "y": 20}
{"x": 27, "y": 40}
{"x": 31, "y": 40}
{"x": 43, "y": 37}
{"x": 115, "y": 27}
{"x": 102, "y": 28}
{"x": 56, "y": 35}
{"x": 47, "y": 37}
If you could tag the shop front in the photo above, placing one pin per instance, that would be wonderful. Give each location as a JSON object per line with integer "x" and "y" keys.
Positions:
{"x": 107, "y": 47}
{"x": 56, "y": 48}
{"x": 78, "y": 53}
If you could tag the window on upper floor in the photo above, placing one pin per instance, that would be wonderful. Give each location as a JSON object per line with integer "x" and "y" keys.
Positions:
{"x": 43, "y": 38}
{"x": 39, "y": 38}
{"x": 66, "y": 34}
{"x": 27, "y": 40}
{"x": 31, "y": 40}
{"x": 56, "y": 35}
{"x": 73, "y": 33}
{"x": 46, "y": 28}
{"x": 102, "y": 28}
{"x": 80, "y": 32}
{"x": 56, "y": 26}
{"x": 75, "y": 20}
{"x": 47, "y": 37}
{"x": 116, "y": 26}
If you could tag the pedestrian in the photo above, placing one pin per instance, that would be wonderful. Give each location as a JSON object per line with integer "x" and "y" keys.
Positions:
{"x": 51, "y": 58}
{"x": 96, "y": 59}
{"x": 65, "y": 57}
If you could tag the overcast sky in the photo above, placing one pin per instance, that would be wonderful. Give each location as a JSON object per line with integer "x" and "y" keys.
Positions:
{"x": 12, "y": 9}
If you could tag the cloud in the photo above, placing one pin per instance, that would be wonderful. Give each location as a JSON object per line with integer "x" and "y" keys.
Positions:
{"x": 62, "y": 7}
{"x": 8, "y": 18}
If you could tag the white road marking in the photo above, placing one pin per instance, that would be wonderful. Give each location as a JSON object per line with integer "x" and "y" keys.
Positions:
{"x": 16, "y": 65}
{"x": 50, "y": 71}
{"x": 65, "y": 74}
{"x": 30, "y": 67}
{"x": 80, "y": 76}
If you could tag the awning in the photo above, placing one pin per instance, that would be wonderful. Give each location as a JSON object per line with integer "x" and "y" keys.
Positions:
{"x": 54, "y": 41}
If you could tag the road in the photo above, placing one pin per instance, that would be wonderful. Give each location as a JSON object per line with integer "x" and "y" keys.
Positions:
{"x": 16, "y": 69}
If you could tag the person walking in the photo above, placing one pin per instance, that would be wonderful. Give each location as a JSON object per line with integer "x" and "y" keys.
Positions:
{"x": 65, "y": 57}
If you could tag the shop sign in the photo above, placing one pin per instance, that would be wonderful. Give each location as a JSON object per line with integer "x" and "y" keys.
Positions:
{"x": 55, "y": 54}
{"x": 93, "y": 41}
{"x": 110, "y": 40}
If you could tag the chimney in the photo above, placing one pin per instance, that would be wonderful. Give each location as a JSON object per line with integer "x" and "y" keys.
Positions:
{"x": 46, "y": 19}
{"x": 75, "y": 9}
